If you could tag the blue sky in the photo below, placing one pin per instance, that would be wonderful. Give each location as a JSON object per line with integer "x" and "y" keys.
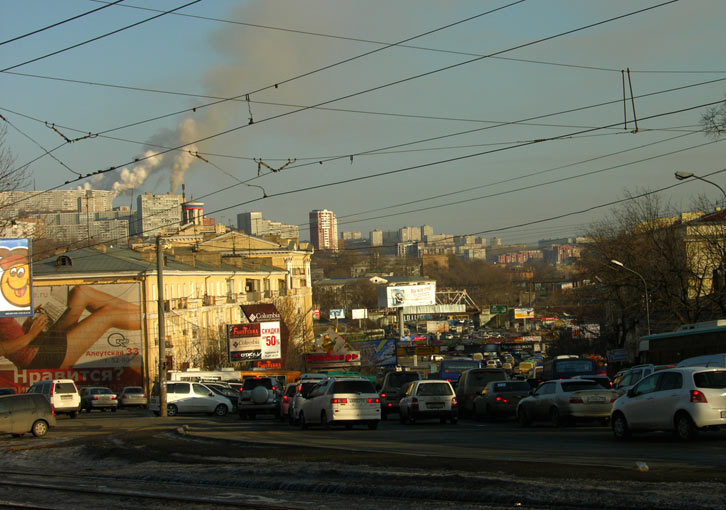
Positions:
{"x": 404, "y": 109}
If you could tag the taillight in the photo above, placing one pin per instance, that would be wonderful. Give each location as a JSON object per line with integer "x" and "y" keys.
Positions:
{"x": 576, "y": 400}
{"x": 454, "y": 402}
{"x": 52, "y": 410}
{"x": 414, "y": 403}
{"x": 374, "y": 400}
{"x": 285, "y": 399}
{"x": 299, "y": 388}
{"x": 338, "y": 400}
{"x": 471, "y": 397}
{"x": 698, "y": 397}
{"x": 113, "y": 397}
{"x": 500, "y": 399}
{"x": 383, "y": 395}
{"x": 274, "y": 388}
{"x": 95, "y": 397}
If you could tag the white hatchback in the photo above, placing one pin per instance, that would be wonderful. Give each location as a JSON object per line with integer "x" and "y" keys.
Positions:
{"x": 341, "y": 400}
{"x": 681, "y": 400}
{"x": 189, "y": 397}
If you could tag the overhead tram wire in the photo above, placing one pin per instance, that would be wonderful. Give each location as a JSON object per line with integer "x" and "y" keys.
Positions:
{"x": 73, "y": 18}
{"x": 422, "y": 48}
{"x": 379, "y": 87}
{"x": 99, "y": 37}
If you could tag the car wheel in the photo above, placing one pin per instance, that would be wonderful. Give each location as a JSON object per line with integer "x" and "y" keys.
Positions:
{"x": 685, "y": 429}
{"x": 301, "y": 420}
{"x": 523, "y": 417}
{"x": 555, "y": 417}
{"x": 372, "y": 425}
{"x": 157, "y": 413}
{"x": 324, "y": 420}
{"x": 172, "y": 410}
{"x": 384, "y": 416}
{"x": 454, "y": 420}
{"x": 410, "y": 419}
{"x": 40, "y": 428}
{"x": 251, "y": 416}
{"x": 491, "y": 414}
{"x": 401, "y": 416}
{"x": 74, "y": 414}
{"x": 442, "y": 420}
{"x": 220, "y": 410}
{"x": 620, "y": 427}
{"x": 113, "y": 409}
{"x": 348, "y": 426}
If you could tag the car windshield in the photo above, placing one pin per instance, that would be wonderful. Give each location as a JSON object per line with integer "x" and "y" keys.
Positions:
{"x": 306, "y": 387}
{"x": 433, "y": 389}
{"x": 353, "y": 387}
{"x": 484, "y": 376}
{"x": 580, "y": 385}
{"x": 65, "y": 387}
{"x": 133, "y": 390}
{"x": 398, "y": 379}
{"x": 710, "y": 379}
{"x": 102, "y": 391}
{"x": 512, "y": 386}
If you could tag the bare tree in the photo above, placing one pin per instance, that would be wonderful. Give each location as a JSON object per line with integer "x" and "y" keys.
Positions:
{"x": 714, "y": 120}
{"x": 12, "y": 178}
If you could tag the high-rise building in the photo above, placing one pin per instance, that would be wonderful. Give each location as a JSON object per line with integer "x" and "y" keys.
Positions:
{"x": 323, "y": 230}
{"x": 376, "y": 238}
{"x": 157, "y": 212}
{"x": 426, "y": 230}
{"x": 253, "y": 224}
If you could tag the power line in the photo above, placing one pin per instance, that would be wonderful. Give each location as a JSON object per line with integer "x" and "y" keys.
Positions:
{"x": 60, "y": 23}
{"x": 98, "y": 37}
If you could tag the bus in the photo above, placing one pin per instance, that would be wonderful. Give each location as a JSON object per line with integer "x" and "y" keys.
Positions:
{"x": 566, "y": 367}
{"x": 688, "y": 341}
{"x": 451, "y": 369}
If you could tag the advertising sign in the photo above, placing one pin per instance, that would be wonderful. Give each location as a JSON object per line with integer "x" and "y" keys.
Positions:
{"x": 268, "y": 312}
{"x": 316, "y": 314}
{"x": 337, "y": 313}
{"x": 378, "y": 353}
{"x": 271, "y": 340}
{"x": 498, "y": 309}
{"x": 89, "y": 333}
{"x": 321, "y": 360}
{"x": 524, "y": 313}
{"x": 16, "y": 296}
{"x": 398, "y": 296}
{"x": 359, "y": 313}
{"x": 244, "y": 341}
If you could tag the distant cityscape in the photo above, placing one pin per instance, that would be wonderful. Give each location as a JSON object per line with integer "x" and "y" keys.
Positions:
{"x": 86, "y": 217}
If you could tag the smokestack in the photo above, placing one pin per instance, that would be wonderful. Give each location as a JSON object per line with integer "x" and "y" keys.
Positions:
{"x": 184, "y": 193}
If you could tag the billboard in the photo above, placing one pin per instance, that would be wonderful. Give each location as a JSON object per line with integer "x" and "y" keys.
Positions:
{"x": 325, "y": 360}
{"x": 359, "y": 313}
{"x": 16, "y": 283}
{"x": 89, "y": 333}
{"x": 378, "y": 353}
{"x": 337, "y": 313}
{"x": 524, "y": 313}
{"x": 254, "y": 341}
{"x": 398, "y": 296}
{"x": 272, "y": 325}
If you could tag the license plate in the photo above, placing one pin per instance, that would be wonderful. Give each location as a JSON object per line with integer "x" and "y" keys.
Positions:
{"x": 435, "y": 405}
{"x": 66, "y": 397}
{"x": 596, "y": 399}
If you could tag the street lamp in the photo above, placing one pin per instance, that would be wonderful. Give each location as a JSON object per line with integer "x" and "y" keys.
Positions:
{"x": 645, "y": 286}
{"x": 682, "y": 176}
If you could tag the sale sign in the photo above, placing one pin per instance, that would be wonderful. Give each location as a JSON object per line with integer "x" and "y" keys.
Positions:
{"x": 244, "y": 341}
{"x": 271, "y": 341}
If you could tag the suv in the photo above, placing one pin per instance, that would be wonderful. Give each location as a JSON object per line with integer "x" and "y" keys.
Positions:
{"x": 300, "y": 390}
{"x": 61, "y": 393}
{"x": 189, "y": 397}
{"x": 390, "y": 390}
{"x": 259, "y": 395}
{"x": 29, "y": 412}
{"x": 471, "y": 384}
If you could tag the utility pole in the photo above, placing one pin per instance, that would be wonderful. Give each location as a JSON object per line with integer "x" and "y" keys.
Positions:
{"x": 162, "y": 334}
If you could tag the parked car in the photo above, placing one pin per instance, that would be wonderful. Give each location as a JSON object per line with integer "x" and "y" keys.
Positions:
{"x": 259, "y": 395}
{"x": 631, "y": 376}
{"x": 302, "y": 388}
{"x": 61, "y": 393}
{"x": 682, "y": 400}
{"x": 428, "y": 399}
{"x": 27, "y": 412}
{"x": 566, "y": 400}
{"x": 99, "y": 398}
{"x": 189, "y": 397}
{"x": 500, "y": 399}
{"x": 390, "y": 390}
{"x": 472, "y": 382}
{"x": 225, "y": 390}
{"x": 341, "y": 400}
{"x": 133, "y": 396}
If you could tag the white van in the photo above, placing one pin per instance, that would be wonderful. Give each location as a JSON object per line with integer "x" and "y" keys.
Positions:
{"x": 61, "y": 393}
{"x": 707, "y": 360}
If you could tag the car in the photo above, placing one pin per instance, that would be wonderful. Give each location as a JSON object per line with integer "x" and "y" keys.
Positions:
{"x": 133, "y": 396}
{"x": 681, "y": 400}
{"x": 566, "y": 401}
{"x": 99, "y": 398}
{"x": 390, "y": 390}
{"x": 61, "y": 393}
{"x": 500, "y": 399}
{"x": 341, "y": 400}
{"x": 603, "y": 380}
{"x": 189, "y": 397}
{"x": 631, "y": 376}
{"x": 24, "y": 413}
{"x": 7, "y": 391}
{"x": 259, "y": 395}
{"x": 428, "y": 399}
{"x": 226, "y": 390}
{"x": 472, "y": 382}
{"x": 302, "y": 388}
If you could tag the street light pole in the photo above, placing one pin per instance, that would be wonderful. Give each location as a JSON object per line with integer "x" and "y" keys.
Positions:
{"x": 681, "y": 176}
{"x": 645, "y": 286}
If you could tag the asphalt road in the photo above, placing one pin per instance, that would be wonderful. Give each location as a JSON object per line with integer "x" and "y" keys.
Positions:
{"x": 540, "y": 448}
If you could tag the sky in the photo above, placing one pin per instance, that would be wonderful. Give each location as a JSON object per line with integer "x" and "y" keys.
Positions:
{"x": 510, "y": 119}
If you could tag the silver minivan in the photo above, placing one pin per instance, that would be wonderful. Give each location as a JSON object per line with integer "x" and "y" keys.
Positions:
{"x": 27, "y": 412}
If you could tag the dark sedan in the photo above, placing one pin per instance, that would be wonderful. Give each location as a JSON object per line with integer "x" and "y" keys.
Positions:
{"x": 500, "y": 399}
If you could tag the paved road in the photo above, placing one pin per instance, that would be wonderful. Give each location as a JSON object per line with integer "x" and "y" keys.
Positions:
{"x": 582, "y": 445}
